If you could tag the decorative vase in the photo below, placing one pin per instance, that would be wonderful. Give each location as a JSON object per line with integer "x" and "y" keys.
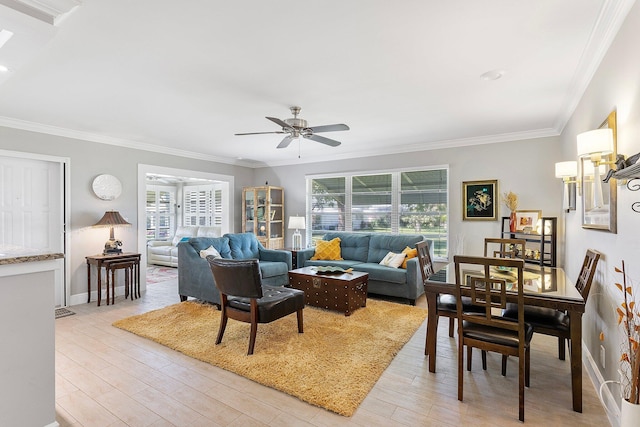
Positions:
{"x": 512, "y": 222}
{"x": 629, "y": 414}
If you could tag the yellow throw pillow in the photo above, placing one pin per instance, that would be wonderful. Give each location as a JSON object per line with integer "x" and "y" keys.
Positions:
{"x": 328, "y": 250}
{"x": 410, "y": 253}
{"x": 393, "y": 260}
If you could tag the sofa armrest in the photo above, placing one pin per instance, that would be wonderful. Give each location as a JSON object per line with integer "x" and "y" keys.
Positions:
{"x": 305, "y": 255}
{"x": 276, "y": 256}
{"x": 159, "y": 243}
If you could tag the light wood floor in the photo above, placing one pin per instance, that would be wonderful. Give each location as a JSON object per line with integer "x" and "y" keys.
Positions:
{"x": 108, "y": 377}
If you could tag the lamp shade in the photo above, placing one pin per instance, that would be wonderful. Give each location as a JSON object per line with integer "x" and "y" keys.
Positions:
{"x": 566, "y": 169}
{"x": 296, "y": 223}
{"x": 599, "y": 141}
{"x": 112, "y": 219}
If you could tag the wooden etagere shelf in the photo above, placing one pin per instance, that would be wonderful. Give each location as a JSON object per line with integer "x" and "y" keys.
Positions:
{"x": 263, "y": 214}
{"x": 540, "y": 247}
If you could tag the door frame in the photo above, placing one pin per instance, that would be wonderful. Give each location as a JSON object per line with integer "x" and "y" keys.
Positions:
{"x": 143, "y": 170}
{"x": 65, "y": 163}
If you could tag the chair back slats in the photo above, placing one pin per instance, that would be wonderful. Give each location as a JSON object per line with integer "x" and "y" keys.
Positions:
{"x": 587, "y": 272}
{"x": 237, "y": 277}
{"x": 474, "y": 276}
{"x": 425, "y": 261}
{"x": 504, "y": 248}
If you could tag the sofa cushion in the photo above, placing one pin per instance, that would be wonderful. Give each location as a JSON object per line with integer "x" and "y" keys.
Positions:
{"x": 244, "y": 245}
{"x": 221, "y": 244}
{"x": 393, "y": 259}
{"x": 381, "y": 244}
{"x": 208, "y": 232}
{"x": 382, "y": 273}
{"x": 210, "y": 251}
{"x": 353, "y": 246}
{"x": 183, "y": 231}
{"x": 327, "y": 250}
{"x": 410, "y": 253}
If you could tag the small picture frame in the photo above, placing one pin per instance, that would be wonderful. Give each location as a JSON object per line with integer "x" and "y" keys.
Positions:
{"x": 527, "y": 221}
{"x": 479, "y": 200}
{"x": 272, "y": 214}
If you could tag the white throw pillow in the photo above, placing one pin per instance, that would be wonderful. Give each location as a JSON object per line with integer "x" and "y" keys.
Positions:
{"x": 210, "y": 251}
{"x": 393, "y": 260}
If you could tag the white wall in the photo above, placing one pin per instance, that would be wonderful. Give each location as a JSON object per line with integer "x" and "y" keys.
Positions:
{"x": 88, "y": 160}
{"x": 615, "y": 86}
{"x": 524, "y": 167}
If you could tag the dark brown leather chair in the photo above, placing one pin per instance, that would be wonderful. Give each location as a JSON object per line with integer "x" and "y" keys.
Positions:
{"x": 555, "y": 322}
{"x": 446, "y": 304}
{"x": 487, "y": 331}
{"x": 244, "y": 298}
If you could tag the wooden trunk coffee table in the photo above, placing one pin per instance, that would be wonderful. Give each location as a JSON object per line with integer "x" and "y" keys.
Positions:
{"x": 343, "y": 292}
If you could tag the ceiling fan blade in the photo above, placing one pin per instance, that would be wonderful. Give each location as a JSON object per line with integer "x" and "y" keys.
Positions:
{"x": 323, "y": 140}
{"x": 280, "y": 123}
{"x": 257, "y": 133}
{"x": 329, "y": 128}
{"x": 285, "y": 142}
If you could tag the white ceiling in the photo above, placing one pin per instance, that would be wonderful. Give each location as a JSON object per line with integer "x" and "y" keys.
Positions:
{"x": 184, "y": 76}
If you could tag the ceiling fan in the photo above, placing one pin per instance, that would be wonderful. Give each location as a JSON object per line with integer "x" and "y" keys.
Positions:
{"x": 296, "y": 127}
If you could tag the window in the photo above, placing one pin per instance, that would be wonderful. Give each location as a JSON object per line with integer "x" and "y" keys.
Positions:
{"x": 202, "y": 205}
{"x": 161, "y": 217}
{"x": 405, "y": 202}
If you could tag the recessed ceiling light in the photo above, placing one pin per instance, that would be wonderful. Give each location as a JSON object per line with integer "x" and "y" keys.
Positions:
{"x": 3, "y": 69}
{"x": 492, "y": 75}
{"x": 5, "y": 35}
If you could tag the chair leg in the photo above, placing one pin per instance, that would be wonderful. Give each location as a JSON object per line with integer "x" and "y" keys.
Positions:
{"x": 223, "y": 325}
{"x": 426, "y": 340}
{"x": 521, "y": 381}
{"x": 527, "y": 365}
{"x": 300, "y": 323}
{"x": 561, "y": 348}
{"x": 252, "y": 338}
{"x": 461, "y": 366}
{"x": 504, "y": 365}
{"x": 484, "y": 360}
{"x": 452, "y": 326}
{"x": 469, "y": 357}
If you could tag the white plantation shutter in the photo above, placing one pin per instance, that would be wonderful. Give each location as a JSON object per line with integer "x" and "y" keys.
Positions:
{"x": 161, "y": 212}
{"x": 202, "y": 205}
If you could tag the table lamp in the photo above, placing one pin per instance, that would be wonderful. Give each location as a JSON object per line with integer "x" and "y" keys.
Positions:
{"x": 297, "y": 223}
{"x": 112, "y": 219}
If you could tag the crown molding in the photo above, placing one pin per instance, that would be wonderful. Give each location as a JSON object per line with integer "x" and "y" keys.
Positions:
{"x": 120, "y": 142}
{"x": 49, "y": 11}
{"x": 424, "y": 146}
{"x": 611, "y": 18}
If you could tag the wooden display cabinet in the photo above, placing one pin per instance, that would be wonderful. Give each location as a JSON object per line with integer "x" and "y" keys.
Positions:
{"x": 263, "y": 214}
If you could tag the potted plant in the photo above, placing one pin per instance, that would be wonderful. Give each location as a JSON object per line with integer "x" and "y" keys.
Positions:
{"x": 629, "y": 322}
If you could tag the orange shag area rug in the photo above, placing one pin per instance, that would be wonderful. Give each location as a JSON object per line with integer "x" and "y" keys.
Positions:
{"x": 333, "y": 364}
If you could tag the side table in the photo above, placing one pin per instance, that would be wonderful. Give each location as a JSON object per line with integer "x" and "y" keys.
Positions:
{"x": 294, "y": 257}
{"x": 107, "y": 261}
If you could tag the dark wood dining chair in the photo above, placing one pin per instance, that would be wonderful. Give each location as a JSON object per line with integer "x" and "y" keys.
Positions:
{"x": 445, "y": 304}
{"x": 549, "y": 321}
{"x": 243, "y": 297}
{"x": 487, "y": 331}
{"x": 504, "y": 248}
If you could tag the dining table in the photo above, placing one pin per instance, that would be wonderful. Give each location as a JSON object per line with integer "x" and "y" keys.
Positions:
{"x": 543, "y": 287}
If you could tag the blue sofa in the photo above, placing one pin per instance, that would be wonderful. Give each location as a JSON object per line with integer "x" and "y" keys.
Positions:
{"x": 194, "y": 274}
{"x": 364, "y": 251}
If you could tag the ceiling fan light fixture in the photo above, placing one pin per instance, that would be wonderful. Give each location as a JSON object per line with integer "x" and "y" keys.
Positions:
{"x": 492, "y": 75}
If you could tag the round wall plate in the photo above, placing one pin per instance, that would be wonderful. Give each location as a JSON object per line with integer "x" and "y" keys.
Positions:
{"x": 107, "y": 187}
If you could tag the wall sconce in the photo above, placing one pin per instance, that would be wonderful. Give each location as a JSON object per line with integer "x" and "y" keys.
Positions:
{"x": 595, "y": 144}
{"x": 568, "y": 171}
{"x": 297, "y": 223}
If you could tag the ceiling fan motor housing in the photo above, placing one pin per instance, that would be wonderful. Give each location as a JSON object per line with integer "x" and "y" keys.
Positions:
{"x": 296, "y": 123}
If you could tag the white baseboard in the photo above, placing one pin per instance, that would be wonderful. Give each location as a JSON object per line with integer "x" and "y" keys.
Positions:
{"x": 607, "y": 400}
{"x": 78, "y": 299}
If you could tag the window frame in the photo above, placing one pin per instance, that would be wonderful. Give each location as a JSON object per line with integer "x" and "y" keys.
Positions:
{"x": 396, "y": 198}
